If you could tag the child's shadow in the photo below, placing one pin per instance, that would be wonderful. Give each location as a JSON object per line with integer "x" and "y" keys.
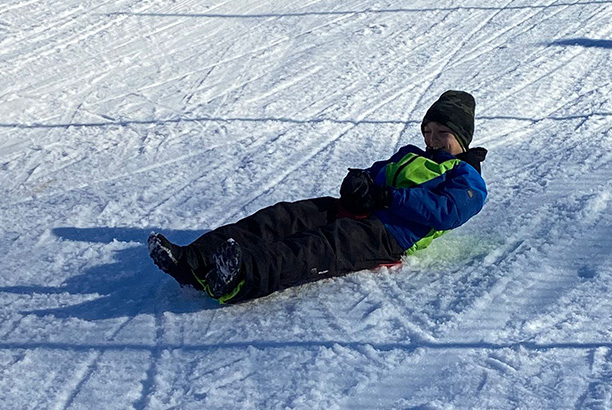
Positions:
{"x": 129, "y": 286}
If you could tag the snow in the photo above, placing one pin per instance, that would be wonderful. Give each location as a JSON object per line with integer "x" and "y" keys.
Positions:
{"x": 122, "y": 117}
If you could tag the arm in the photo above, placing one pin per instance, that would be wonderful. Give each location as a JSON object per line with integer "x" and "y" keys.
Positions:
{"x": 360, "y": 194}
{"x": 444, "y": 204}
{"x": 374, "y": 170}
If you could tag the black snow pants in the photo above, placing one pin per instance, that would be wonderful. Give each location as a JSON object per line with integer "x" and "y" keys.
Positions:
{"x": 292, "y": 243}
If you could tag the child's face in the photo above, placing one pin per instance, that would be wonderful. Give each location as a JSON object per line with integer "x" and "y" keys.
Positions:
{"x": 437, "y": 136}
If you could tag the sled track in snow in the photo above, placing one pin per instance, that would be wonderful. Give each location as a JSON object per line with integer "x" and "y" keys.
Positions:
{"x": 367, "y": 11}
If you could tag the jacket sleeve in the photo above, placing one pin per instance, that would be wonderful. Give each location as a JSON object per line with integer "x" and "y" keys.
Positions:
{"x": 444, "y": 204}
{"x": 376, "y": 167}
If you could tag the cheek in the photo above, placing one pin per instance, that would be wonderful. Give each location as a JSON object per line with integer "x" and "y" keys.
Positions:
{"x": 449, "y": 141}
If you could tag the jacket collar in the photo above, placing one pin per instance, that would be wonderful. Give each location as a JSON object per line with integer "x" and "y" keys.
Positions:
{"x": 474, "y": 156}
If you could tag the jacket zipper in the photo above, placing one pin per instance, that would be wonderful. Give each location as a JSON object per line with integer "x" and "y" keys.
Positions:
{"x": 404, "y": 165}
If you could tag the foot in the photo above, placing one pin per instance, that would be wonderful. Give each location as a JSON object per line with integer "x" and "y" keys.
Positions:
{"x": 167, "y": 256}
{"x": 226, "y": 275}
{"x": 163, "y": 252}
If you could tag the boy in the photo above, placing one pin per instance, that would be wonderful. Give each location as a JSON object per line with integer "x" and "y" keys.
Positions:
{"x": 393, "y": 208}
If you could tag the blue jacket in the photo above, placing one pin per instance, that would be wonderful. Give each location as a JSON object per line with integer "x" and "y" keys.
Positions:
{"x": 439, "y": 204}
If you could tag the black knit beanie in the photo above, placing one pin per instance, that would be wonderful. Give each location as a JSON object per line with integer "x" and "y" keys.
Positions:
{"x": 455, "y": 110}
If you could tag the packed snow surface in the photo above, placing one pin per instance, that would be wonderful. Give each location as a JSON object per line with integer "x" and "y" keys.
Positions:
{"x": 126, "y": 116}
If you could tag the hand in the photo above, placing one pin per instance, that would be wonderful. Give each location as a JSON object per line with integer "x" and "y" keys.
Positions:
{"x": 360, "y": 195}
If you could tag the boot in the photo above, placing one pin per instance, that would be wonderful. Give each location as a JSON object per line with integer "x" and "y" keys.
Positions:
{"x": 170, "y": 258}
{"x": 227, "y": 274}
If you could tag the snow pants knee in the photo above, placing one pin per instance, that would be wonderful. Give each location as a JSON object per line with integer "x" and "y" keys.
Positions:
{"x": 292, "y": 243}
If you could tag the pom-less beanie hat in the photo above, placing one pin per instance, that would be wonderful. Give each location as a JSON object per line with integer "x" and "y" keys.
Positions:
{"x": 455, "y": 110}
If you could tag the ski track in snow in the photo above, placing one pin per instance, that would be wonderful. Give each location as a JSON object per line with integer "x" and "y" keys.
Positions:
{"x": 117, "y": 118}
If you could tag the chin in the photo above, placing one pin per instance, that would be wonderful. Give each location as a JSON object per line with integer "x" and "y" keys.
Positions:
{"x": 437, "y": 149}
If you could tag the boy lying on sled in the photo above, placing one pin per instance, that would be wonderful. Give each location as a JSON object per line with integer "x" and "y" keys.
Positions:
{"x": 394, "y": 207}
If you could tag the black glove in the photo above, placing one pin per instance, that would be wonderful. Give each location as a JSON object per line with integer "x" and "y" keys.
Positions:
{"x": 360, "y": 195}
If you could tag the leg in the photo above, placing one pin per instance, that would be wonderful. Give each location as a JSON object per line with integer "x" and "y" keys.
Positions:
{"x": 343, "y": 246}
{"x": 266, "y": 225}
{"x": 189, "y": 263}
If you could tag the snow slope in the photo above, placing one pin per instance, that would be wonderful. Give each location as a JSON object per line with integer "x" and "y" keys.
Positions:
{"x": 119, "y": 117}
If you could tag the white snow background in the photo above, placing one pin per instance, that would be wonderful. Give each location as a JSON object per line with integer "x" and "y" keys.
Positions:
{"x": 126, "y": 116}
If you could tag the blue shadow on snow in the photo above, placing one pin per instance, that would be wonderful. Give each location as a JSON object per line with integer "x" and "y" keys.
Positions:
{"x": 129, "y": 286}
{"x": 583, "y": 42}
